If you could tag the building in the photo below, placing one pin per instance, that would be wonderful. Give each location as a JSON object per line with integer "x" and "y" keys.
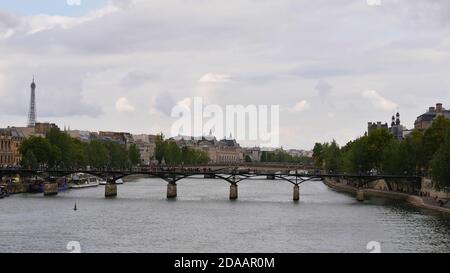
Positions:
{"x": 372, "y": 126}
{"x": 42, "y": 128}
{"x": 146, "y": 145}
{"x": 397, "y": 129}
{"x": 425, "y": 120}
{"x": 299, "y": 153}
{"x": 84, "y": 136}
{"x": 224, "y": 151}
{"x": 118, "y": 137}
{"x": 10, "y": 140}
{"x": 253, "y": 153}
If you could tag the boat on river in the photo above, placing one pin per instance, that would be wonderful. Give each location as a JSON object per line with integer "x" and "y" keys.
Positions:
{"x": 85, "y": 182}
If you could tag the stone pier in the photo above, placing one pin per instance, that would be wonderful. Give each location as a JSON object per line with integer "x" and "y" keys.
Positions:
{"x": 209, "y": 176}
{"x": 270, "y": 177}
{"x": 50, "y": 189}
{"x": 111, "y": 190}
{"x": 233, "y": 191}
{"x": 296, "y": 193}
{"x": 171, "y": 190}
{"x": 360, "y": 195}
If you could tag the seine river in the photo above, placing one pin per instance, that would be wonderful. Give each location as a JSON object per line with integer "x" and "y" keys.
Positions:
{"x": 202, "y": 219}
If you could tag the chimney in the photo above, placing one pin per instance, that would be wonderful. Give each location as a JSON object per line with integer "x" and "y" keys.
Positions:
{"x": 439, "y": 108}
{"x": 432, "y": 109}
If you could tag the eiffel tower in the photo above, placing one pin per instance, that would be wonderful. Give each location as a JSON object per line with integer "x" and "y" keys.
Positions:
{"x": 32, "y": 111}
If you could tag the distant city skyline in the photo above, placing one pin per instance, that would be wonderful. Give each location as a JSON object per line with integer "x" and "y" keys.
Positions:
{"x": 122, "y": 65}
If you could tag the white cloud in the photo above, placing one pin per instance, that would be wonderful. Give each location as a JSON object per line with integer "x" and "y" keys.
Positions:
{"x": 124, "y": 106}
{"x": 214, "y": 78}
{"x": 299, "y": 106}
{"x": 379, "y": 101}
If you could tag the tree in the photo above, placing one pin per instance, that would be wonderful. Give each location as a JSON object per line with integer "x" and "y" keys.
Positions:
{"x": 318, "y": 155}
{"x": 134, "y": 155}
{"x": 29, "y": 160}
{"x": 98, "y": 154}
{"x": 161, "y": 147}
{"x": 173, "y": 153}
{"x": 332, "y": 157}
{"x": 248, "y": 159}
{"x": 441, "y": 165}
{"x": 434, "y": 137}
{"x": 40, "y": 147}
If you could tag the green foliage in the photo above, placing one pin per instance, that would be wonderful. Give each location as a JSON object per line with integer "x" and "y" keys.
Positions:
{"x": 134, "y": 155}
{"x": 441, "y": 165}
{"x": 29, "y": 160}
{"x": 434, "y": 137}
{"x": 248, "y": 159}
{"x": 173, "y": 155}
{"x": 58, "y": 149}
{"x": 418, "y": 153}
{"x": 40, "y": 148}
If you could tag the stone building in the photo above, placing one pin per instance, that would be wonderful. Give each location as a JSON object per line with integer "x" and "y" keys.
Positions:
{"x": 10, "y": 140}
{"x": 372, "y": 126}
{"x": 253, "y": 153}
{"x": 223, "y": 151}
{"x": 118, "y": 137}
{"x": 425, "y": 120}
{"x": 397, "y": 129}
{"x": 41, "y": 128}
{"x": 146, "y": 145}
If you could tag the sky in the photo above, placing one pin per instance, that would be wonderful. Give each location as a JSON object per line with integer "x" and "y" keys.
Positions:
{"x": 122, "y": 65}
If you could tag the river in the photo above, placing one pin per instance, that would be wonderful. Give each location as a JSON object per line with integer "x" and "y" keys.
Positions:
{"x": 202, "y": 219}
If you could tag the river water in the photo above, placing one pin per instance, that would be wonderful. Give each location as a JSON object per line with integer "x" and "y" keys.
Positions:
{"x": 202, "y": 219}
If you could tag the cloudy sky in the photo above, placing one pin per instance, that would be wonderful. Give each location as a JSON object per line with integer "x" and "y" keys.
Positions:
{"x": 331, "y": 65}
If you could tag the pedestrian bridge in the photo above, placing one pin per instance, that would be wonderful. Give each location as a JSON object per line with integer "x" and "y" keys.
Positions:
{"x": 232, "y": 175}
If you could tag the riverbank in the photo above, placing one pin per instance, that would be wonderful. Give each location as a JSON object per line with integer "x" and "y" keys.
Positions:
{"x": 417, "y": 201}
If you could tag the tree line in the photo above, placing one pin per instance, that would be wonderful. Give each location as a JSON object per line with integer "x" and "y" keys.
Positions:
{"x": 59, "y": 150}
{"x": 167, "y": 151}
{"x": 419, "y": 153}
{"x": 281, "y": 156}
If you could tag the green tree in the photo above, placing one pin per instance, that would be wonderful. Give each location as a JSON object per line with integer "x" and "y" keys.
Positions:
{"x": 29, "y": 160}
{"x": 441, "y": 165}
{"x": 41, "y": 148}
{"x": 98, "y": 154}
{"x": 332, "y": 157}
{"x": 134, "y": 155}
{"x": 161, "y": 147}
{"x": 434, "y": 137}
{"x": 318, "y": 155}
{"x": 173, "y": 153}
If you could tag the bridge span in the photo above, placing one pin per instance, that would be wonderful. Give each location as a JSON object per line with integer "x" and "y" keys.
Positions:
{"x": 232, "y": 175}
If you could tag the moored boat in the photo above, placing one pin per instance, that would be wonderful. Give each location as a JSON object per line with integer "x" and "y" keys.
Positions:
{"x": 85, "y": 183}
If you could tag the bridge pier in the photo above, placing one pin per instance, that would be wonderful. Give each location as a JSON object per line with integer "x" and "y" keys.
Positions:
{"x": 296, "y": 193}
{"x": 209, "y": 176}
{"x": 233, "y": 191}
{"x": 50, "y": 189}
{"x": 171, "y": 190}
{"x": 360, "y": 195}
{"x": 270, "y": 177}
{"x": 110, "y": 190}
